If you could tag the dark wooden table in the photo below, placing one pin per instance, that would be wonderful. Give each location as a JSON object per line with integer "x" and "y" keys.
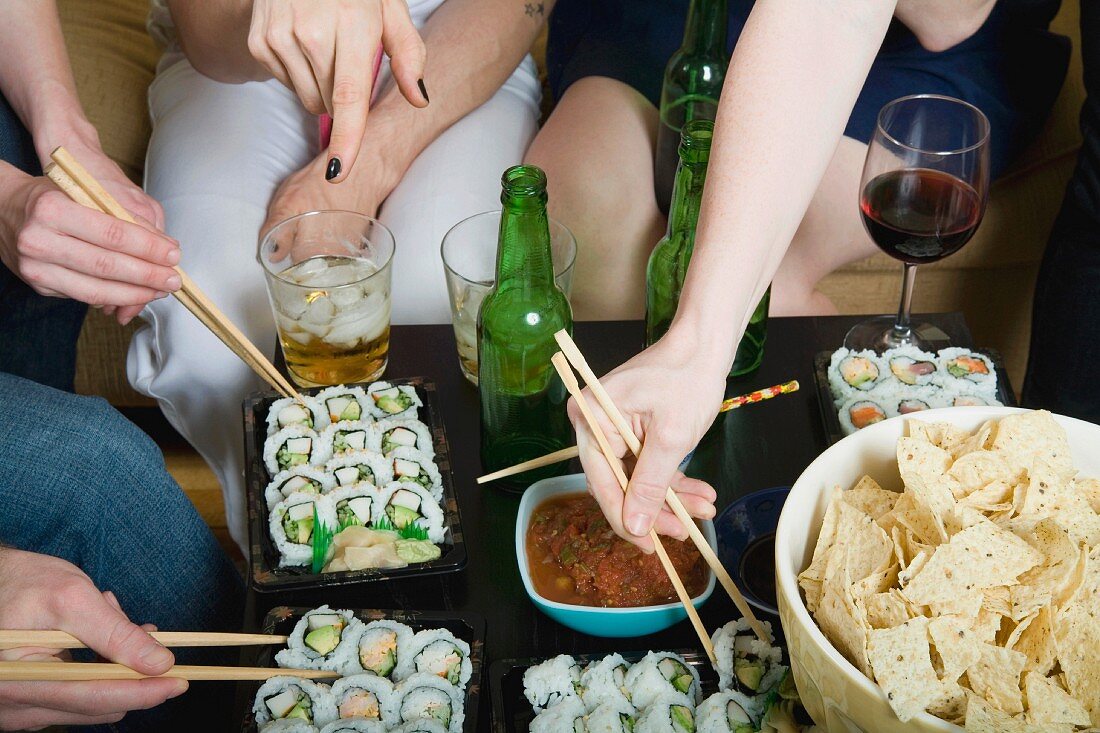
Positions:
{"x": 754, "y": 448}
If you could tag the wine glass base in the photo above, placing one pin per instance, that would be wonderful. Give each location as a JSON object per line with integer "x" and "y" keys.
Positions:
{"x": 878, "y": 335}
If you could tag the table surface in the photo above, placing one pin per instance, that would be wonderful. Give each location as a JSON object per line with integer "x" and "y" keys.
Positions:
{"x": 758, "y": 447}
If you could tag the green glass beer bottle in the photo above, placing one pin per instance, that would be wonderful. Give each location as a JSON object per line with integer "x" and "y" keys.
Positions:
{"x": 669, "y": 260}
{"x": 692, "y": 83}
{"x": 522, "y": 398}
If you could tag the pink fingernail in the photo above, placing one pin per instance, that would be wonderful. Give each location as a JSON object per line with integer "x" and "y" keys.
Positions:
{"x": 173, "y": 257}
{"x": 637, "y": 525}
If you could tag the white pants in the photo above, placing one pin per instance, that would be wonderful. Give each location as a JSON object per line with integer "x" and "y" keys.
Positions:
{"x": 217, "y": 154}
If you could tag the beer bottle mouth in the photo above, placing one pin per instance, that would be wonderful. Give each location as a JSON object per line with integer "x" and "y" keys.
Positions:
{"x": 696, "y": 136}
{"x": 524, "y": 181}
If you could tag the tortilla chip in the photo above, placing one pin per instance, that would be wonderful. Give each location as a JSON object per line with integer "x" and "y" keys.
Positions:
{"x": 870, "y": 498}
{"x": 1090, "y": 489}
{"x": 963, "y": 608}
{"x": 1036, "y": 643}
{"x": 844, "y": 623}
{"x": 982, "y": 439}
{"x": 1077, "y": 639}
{"x": 994, "y": 496}
{"x": 977, "y": 470}
{"x": 914, "y": 568}
{"x": 951, "y": 703}
{"x": 923, "y": 468}
{"x": 1023, "y": 437}
{"x": 981, "y": 717}
{"x": 996, "y": 677}
{"x": 903, "y": 668}
{"x": 810, "y": 578}
{"x": 982, "y": 556}
{"x": 961, "y": 517}
{"x": 861, "y": 546}
{"x": 886, "y": 610}
{"x": 1048, "y": 703}
{"x": 986, "y": 625}
{"x": 920, "y": 520}
{"x": 956, "y": 646}
{"x": 940, "y": 434}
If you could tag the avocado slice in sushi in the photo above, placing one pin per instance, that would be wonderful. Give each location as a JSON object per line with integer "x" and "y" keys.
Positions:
{"x": 627, "y": 723}
{"x": 410, "y": 472}
{"x": 682, "y": 719}
{"x": 323, "y": 640}
{"x": 344, "y": 407}
{"x": 392, "y": 400}
{"x": 858, "y": 370}
{"x": 404, "y": 508}
{"x": 750, "y": 672}
{"x": 290, "y": 703}
{"x": 398, "y": 438}
{"x": 298, "y": 523}
{"x": 294, "y": 414}
{"x": 676, "y": 673}
{"x": 294, "y": 452}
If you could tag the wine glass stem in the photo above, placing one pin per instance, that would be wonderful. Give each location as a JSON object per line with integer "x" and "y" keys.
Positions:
{"x": 902, "y": 325}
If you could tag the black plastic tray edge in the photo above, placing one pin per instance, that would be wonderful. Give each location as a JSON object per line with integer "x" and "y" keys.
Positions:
{"x": 267, "y": 578}
{"x": 500, "y": 668}
{"x": 246, "y": 691}
{"x": 830, "y": 419}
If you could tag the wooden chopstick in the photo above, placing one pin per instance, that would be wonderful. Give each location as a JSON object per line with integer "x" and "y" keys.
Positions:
{"x": 17, "y": 638}
{"x": 92, "y": 671}
{"x": 573, "y": 354}
{"x": 72, "y": 178}
{"x": 566, "y": 454}
{"x": 574, "y": 388}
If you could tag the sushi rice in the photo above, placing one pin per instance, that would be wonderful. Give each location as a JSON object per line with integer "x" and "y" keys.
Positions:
{"x": 854, "y": 372}
{"x": 345, "y": 403}
{"x": 549, "y": 683}
{"x": 364, "y": 696}
{"x": 727, "y": 712}
{"x": 388, "y": 401}
{"x": 908, "y": 366}
{"x": 289, "y": 412}
{"x": 369, "y": 467}
{"x": 425, "y": 695}
{"x": 291, "y": 725}
{"x": 413, "y": 466}
{"x": 667, "y": 716}
{"x": 292, "y": 698}
{"x": 291, "y": 526}
{"x": 567, "y": 716}
{"x": 304, "y": 479}
{"x": 324, "y": 639}
{"x": 393, "y": 433}
{"x": 421, "y": 725}
{"x": 604, "y": 681}
{"x": 354, "y": 725}
{"x": 407, "y": 503}
{"x": 958, "y": 367}
{"x": 662, "y": 676}
{"x": 342, "y": 438}
{"x": 382, "y": 646}
{"x": 612, "y": 717}
{"x": 290, "y": 447}
{"x": 437, "y": 652}
{"x": 744, "y": 662}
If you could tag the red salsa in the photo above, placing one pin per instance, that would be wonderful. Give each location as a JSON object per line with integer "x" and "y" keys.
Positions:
{"x": 574, "y": 557}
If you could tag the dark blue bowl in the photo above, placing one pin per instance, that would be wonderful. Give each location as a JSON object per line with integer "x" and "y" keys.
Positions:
{"x": 746, "y": 547}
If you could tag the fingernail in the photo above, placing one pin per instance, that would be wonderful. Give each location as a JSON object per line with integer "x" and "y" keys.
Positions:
{"x": 181, "y": 687}
{"x": 156, "y": 656}
{"x": 637, "y": 525}
{"x": 423, "y": 90}
{"x": 333, "y": 169}
{"x": 160, "y": 294}
{"x": 173, "y": 257}
{"x": 173, "y": 282}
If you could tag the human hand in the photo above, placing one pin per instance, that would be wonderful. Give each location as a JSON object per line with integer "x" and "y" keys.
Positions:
{"x": 43, "y": 592}
{"x": 325, "y": 53}
{"x": 668, "y": 423}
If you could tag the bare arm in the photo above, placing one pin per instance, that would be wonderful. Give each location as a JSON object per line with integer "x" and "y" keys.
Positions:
{"x": 941, "y": 24}
{"x": 214, "y": 36}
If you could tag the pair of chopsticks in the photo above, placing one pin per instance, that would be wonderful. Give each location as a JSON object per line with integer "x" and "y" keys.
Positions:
{"x": 566, "y": 454}
{"x": 571, "y": 355}
{"x": 90, "y": 671}
{"x": 79, "y": 185}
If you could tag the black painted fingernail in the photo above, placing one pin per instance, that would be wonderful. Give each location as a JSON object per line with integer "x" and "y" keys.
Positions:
{"x": 333, "y": 169}
{"x": 423, "y": 91}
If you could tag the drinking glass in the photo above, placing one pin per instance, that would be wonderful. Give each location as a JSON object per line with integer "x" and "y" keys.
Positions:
{"x": 469, "y": 252}
{"x": 328, "y": 278}
{"x": 923, "y": 194}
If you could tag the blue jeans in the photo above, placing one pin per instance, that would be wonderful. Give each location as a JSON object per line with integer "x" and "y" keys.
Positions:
{"x": 37, "y": 334}
{"x": 80, "y": 482}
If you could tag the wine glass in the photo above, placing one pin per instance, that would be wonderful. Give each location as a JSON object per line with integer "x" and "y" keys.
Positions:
{"x": 922, "y": 196}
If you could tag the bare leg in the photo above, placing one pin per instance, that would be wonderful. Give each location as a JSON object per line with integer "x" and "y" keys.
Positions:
{"x": 830, "y": 236}
{"x": 597, "y": 151}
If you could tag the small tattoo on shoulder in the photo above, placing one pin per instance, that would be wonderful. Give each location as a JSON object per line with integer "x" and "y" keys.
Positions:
{"x": 534, "y": 9}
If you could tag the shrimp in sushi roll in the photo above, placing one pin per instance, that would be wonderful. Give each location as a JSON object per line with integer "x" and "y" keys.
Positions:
{"x": 960, "y": 366}
{"x": 859, "y": 412}
{"x": 293, "y": 698}
{"x": 438, "y": 652}
{"x": 853, "y": 372}
{"x": 364, "y": 696}
{"x": 431, "y": 697}
{"x": 382, "y": 646}
{"x": 324, "y": 639}
{"x": 406, "y": 504}
{"x": 290, "y": 447}
{"x": 345, "y": 403}
{"x": 290, "y": 412}
{"x": 387, "y": 400}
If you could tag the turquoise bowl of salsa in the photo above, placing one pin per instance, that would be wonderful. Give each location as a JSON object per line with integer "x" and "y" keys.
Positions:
{"x": 578, "y": 573}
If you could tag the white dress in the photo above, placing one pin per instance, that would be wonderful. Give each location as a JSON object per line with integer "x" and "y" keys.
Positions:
{"x": 217, "y": 154}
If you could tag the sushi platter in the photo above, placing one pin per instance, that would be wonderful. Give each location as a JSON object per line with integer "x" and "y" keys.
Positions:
{"x": 404, "y": 671}
{"x": 856, "y": 389}
{"x": 373, "y": 458}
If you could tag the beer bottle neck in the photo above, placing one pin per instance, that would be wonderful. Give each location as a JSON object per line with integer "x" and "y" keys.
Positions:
{"x": 523, "y": 253}
{"x": 706, "y": 30}
{"x": 687, "y": 196}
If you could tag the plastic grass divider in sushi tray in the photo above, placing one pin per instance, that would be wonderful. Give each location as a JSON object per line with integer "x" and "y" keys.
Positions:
{"x": 268, "y": 576}
{"x": 512, "y": 713}
{"x": 281, "y": 620}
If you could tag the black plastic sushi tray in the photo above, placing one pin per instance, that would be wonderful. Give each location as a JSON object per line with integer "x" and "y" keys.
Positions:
{"x": 265, "y": 572}
{"x": 281, "y": 620}
{"x": 831, "y": 419}
{"x": 512, "y": 713}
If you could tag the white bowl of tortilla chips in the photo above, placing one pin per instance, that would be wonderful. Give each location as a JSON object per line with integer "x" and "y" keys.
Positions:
{"x": 973, "y": 593}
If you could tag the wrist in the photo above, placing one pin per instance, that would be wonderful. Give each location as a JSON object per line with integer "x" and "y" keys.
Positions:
{"x": 703, "y": 342}
{"x": 61, "y": 122}
{"x": 397, "y": 131}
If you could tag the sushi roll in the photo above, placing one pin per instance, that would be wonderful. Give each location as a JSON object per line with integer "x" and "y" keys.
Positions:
{"x": 911, "y": 366}
{"x": 290, "y": 447}
{"x": 291, "y": 725}
{"x": 364, "y": 696}
{"x": 291, "y": 524}
{"x": 604, "y": 682}
{"x": 300, "y": 479}
{"x": 405, "y": 504}
{"x": 355, "y": 506}
{"x": 382, "y": 645}
{"x": 428, "y": 696}
{"x": 907, "y": 400}
{"x": 293, "y": 698}
{"x": 727, "y": 712}
{"x": 662, "y": 676}
{"x": 568, "y": 716}
{"x": 341, "y": 438}
{"x": 859, "y": 412}
{"x": 546, "y": 685}
{"x": 389, "y": 401}
{"x": 438, "y": 652}
{"x": 422, "y": 725}
{"x": 853, "y": 372}
{"x": 355, "y": 725}
{"x": 612, "y": 717}
{"x": 666, "y": 717}
{"x": 324, "y": 639}
{"x": 360, "y": 467}
{"x": 344, "y": 403}
{"x": 289, "y": 412}
{"x": 973, "y": 400}
{"x": 411, "y": 466}
{"x": 961, "y": 368}
{"x": 745, "y": 663}
{"x": 391, "y": 434}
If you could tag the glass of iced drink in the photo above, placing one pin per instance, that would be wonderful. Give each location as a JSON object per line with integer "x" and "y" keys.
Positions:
{"x": 328, "y": 277}
{"x": 469, "y": 253}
